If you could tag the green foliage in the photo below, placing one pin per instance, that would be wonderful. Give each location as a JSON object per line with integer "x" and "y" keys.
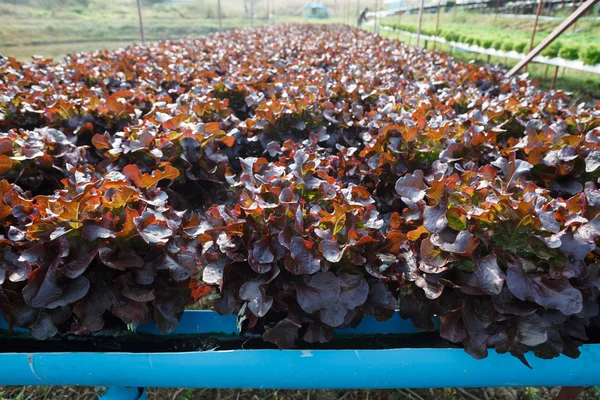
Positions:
{"x": 520, "y": 47}
{"x": 497, "y": 45}
{"x": 590, "y": 55}
{"x": 451, "y": 36}
{"x": 569, "y": 52}
{"x": 552, "y": 50}
{"x": 507, "y": 45}
{"x": 470, "y": 41}
{"x": 487, "y": 43}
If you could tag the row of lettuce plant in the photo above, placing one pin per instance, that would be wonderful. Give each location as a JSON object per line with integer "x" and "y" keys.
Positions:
{"x": 308, "y": 176}
{"x": 588, "y": 54}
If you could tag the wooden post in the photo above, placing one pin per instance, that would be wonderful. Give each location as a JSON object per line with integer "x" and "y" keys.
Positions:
{"x": 251, "y": 12}
{"x": 550, "y": 38}
{"x": 273, "y": 9}
{"x": 454, "y": 11}
{"x": 267, "y": 10}
{"x": 497, "y": 6}
{"x": 399, "y": 20}
{"x": 535, "y": 24}
{"x": 139, "y": 6}
{"x": 437, "y": 22}
{"x": 219, "y": 14}
{"x": 348, "y": 12}
{"x": 420, "y": 22}
{"x": 357, "y": 11}
{"x": 375, "y": 20}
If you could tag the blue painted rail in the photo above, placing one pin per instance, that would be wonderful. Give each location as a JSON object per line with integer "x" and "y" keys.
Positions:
{"x": 294, "y": 369}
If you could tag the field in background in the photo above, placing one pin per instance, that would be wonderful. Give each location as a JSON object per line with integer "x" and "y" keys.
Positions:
{"x": 57, "y": 27}
{"x": 485, "y": 26}
{"x": 54, "y": 28}
{"x": 583, "y": 86}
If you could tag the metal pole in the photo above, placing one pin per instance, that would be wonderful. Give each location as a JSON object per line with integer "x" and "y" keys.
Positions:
{"x": 219, "y": 14}
{"x": 420, "y": 21}
{"x": 550, "y": 38}
{"x": 139, "y": 5}
{"x": 437, "y": 22}
{"x": 251, "y": 12}
{"x": 357, "y": 10}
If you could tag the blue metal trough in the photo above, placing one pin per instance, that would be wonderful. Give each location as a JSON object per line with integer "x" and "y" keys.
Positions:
{"x": 294, "y": 369}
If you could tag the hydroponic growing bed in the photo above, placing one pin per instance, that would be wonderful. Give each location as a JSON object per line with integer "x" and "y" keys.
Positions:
{"x": 312, "y": 177}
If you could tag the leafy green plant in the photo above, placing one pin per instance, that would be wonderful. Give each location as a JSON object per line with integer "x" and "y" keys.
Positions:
{"x": 569, "y": 52}
{"x": 590, "y": 55}
{"x": 507, "y": 45}
{"x": 487, "y": 43}
{"x": 553, "y": 49}
{"x": 451, "y": 36}
{"x": 520, "y": 47}
{"x": 497, "y": 45}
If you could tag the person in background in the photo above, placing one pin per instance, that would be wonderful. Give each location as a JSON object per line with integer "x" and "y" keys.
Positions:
{"x": 362, "y": 17}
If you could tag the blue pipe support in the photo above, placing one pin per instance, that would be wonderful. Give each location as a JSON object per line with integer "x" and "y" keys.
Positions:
{"x": 124, "y": 393}
{"x": 297, "y": 369}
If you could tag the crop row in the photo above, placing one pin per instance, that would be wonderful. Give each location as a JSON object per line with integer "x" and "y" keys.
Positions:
{"x": 310, "y": 175}
{"x": 589, "y": 55}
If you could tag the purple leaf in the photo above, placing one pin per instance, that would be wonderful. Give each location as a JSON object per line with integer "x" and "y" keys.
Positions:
{"x": 551, "y": 294}
{"x": 318, "y": 333}
{"x": 488, "y": 274}
{"x": 434, "y": 218}
{"x": 120, "y": 259}
{"x": 262, "y": 250}
{"x": 43, "y": 328}
{"x": 321, "y": 291}
{"x": 381, "y": 304}
{"x": 452, "y": 327}
{"x": 331, "y": 250}
{"x": 18, "y": 270}
{"x": 464, "y": 244}
{"x": 305, "y": 262}
{"x": 177, "y": 271}
{"x": 283, "y": 335}
{"x": 168, "y": 308}
{"x": 411, "y": 186}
